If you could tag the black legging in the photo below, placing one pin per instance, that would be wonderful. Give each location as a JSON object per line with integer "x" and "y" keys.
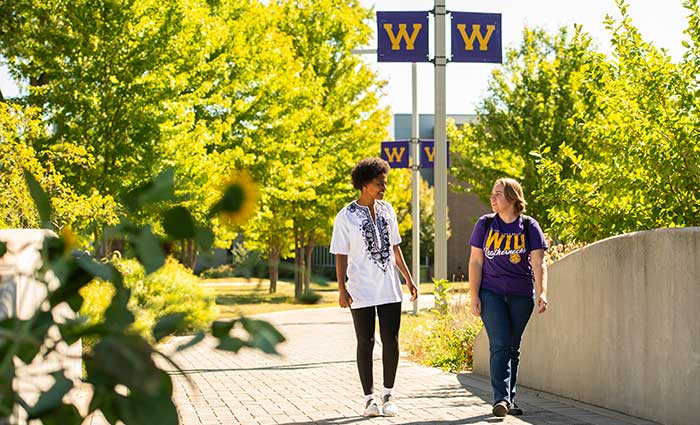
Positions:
{"x": 389, "y": 323}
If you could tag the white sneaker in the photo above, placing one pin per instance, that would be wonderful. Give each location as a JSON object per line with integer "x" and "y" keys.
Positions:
{"x": 372, "y": 409}
{"x": 388, "y": 405}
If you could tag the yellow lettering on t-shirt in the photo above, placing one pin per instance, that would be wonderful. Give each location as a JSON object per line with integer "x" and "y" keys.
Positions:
{"x": 519, "y": 242}
{"x": 494, "y": 238}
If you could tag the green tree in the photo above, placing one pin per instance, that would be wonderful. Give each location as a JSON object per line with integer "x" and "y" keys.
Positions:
{"x": 538, "y": 100}
{"x": 346, "y": 122}
{"x": 100, "y": 72}
{"x": 19, "y": 127}
{"x": 640, "y": 169}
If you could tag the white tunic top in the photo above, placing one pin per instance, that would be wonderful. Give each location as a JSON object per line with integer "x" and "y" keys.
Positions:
{"x": 372, "y": 277}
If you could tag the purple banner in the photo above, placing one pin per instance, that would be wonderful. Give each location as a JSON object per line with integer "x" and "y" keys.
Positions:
{"x": 476, "y": 37}
{"x": 427, "y": 154}
{"x": 396, "y": 153}
{"x": 402, "y": 36}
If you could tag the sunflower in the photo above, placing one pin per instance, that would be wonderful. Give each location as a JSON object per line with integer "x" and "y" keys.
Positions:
{"x": 239, "y": 196}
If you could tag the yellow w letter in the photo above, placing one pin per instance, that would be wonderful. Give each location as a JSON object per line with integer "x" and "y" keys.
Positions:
{"x": 396, "y": 39}
{"x": 476, "y": 33}
{"x": 430, "y": 153}
{"x": 494, "y": 240}
{"x": 394, "y": 154}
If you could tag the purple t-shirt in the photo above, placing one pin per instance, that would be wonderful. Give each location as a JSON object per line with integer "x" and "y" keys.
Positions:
{"x": 507, "y": 269}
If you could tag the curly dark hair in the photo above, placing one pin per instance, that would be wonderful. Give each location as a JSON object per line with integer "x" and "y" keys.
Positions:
{"x": 367, "y": 170}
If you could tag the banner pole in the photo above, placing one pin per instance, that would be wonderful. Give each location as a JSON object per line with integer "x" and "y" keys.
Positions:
{"x": 415, "y": 194}
{"x": 440, "y": 259}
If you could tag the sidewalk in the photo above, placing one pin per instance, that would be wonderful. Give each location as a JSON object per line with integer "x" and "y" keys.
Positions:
{"x": 316, "y": 382}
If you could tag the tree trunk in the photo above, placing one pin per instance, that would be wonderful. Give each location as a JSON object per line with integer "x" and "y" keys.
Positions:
{"x": 191, "y": 254}
{"x": 273, "y": 268}
{"x": 188, "y": 253}
{"x": 299, "y": 265}
{"x": 307, "y": 271}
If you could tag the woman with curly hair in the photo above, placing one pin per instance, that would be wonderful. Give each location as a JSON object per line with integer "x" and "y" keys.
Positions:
{"x": 366, "y": 246}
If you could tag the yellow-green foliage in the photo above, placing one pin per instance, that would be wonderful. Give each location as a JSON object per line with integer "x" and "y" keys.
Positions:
{"x": 173, "y": 288}
{"x": 442, "y": 340}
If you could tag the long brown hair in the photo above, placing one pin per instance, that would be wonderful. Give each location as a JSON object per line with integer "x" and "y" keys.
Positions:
{"x": 513, "y": 193}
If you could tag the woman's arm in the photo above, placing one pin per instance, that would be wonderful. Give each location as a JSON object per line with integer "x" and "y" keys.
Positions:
{"x": 401, "y": 264}
{"x": 341, "y": 269}
{"x": 476, "y": 266}
{"x": 539, "y": 269}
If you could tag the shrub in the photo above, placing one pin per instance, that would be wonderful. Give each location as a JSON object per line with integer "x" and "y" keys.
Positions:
{"x": 224, "y": 270}
{"x": 557, "y": 251}
{"x": 173, "y": 288}
{"x": 309, "y": 297}
{"x": 441, "y": 292}
{"x": 442, "y": 340}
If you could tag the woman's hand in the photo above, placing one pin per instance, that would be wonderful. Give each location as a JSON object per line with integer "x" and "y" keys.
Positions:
{"x": 344, "y": 298}
{"x": 476, "y": 306}
{"x": 412, "y": 289}
{"x": 542, "y": 303}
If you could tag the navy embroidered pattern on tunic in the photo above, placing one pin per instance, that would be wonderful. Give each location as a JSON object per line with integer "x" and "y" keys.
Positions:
{"x": 378, "y": 250}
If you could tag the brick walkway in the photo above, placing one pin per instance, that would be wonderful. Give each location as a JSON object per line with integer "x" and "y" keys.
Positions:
{"x": 316, "y": 382}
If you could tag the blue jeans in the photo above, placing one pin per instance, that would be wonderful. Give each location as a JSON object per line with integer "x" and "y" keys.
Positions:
{"x": 505, "y": 318}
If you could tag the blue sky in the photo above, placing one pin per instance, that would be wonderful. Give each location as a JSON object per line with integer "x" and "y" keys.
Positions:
{"x": 466, "y": 83}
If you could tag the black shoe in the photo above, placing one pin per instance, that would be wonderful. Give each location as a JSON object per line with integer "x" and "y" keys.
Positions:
{"x": 514, "y": 410}
{"x": 500, "y": 409}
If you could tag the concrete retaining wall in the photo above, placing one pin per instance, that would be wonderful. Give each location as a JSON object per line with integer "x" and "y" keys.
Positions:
{"x": 623, "y": 327}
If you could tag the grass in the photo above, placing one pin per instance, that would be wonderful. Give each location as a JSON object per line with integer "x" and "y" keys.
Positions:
{"x": 241, "y": 296}
{"x": 236, "y": 297}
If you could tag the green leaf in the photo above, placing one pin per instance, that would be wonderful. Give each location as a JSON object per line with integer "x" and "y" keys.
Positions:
{"x": 148, "y": 249}
{"x": 41, "y": 199}
{"x": 72, "y": 278}
{"x": 124, "y": 359}
{"x": 3, "y": 248}
{"x": 140, "y": 408}
{"x": 167, "y": 325}
{"x": 228, "y": 343}
{"x": 192, "y": 342}
{"x": 231, "y": 201}
{"x": 75, "y": 302}
{"x": 105, "y": 271}
{"x": 64, "y": 414}
{"x": 161, "y": 188}
{"x": 51, "y": 399}
{"x": 42, "y": 321}
{"x": 264, "y": 336}
{"x": 204, "y": 238}
{"x": 178, "y": 223}
{"x": 74, "y": 329}
{"x": 221, "y": 328}
{"x": 118, "y": 316}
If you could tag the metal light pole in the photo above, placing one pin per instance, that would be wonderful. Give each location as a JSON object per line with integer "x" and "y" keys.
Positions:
{"x": 440, "y": 143}
{"x": 415, "y": 184}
